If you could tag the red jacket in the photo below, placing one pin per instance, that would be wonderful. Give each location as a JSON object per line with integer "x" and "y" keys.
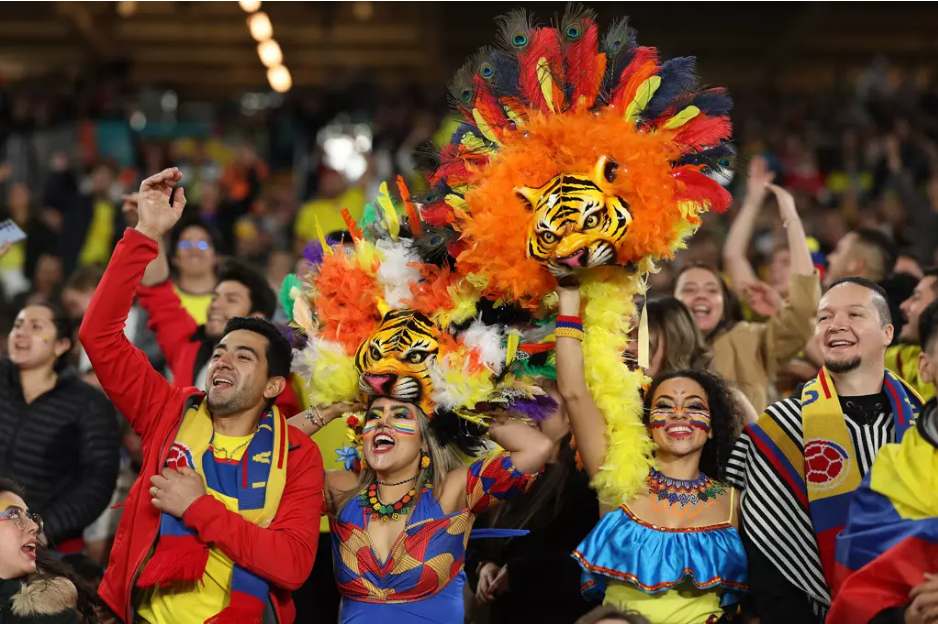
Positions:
{"x": 184, "y": 343}
{"x": 282, "y": 554}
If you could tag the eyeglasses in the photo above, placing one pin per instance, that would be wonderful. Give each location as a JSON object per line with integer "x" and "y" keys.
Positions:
{"x": 186, "y": 245}
{"x": 21, "y": 518}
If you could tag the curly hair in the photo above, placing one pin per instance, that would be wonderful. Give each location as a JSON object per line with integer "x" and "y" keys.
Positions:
{"x": 725, "y": 413}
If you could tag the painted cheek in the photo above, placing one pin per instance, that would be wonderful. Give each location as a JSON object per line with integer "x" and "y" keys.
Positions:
{"x": 369, "y": 427}
{"x": 700, "y": 423}
{"x": 658, "y": 421}
{"x": 406, "y": 428}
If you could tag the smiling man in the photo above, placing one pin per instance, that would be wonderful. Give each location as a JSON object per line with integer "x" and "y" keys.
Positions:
{"x": 225, "y": 525}
{"x": 799, "y": 465}
{"x": 187, "y": 346}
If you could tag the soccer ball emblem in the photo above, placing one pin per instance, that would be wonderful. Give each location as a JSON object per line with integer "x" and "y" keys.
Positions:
{"x": 826, "y": 464}
{"x": 179, "y": 456}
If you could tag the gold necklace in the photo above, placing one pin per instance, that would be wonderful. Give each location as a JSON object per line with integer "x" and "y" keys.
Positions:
{"x": 237, "y": 448}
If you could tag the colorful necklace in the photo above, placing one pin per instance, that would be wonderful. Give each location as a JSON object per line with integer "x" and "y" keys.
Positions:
{"x": 701, "y": 490}
{"x": 369, "y": 500}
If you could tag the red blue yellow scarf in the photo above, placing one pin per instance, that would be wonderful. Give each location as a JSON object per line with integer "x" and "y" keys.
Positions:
{"x": 180, "y": 556}
{"x": 830, "y": 471}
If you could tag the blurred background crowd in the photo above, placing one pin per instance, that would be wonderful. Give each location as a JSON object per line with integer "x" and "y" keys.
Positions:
{"x": 837, "y": 105}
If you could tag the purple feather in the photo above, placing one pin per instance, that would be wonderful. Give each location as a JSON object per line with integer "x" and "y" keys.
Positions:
{"x": 296, "y": 339}
{"x": 313, "y": 252}
{"x": 537, "y": 409}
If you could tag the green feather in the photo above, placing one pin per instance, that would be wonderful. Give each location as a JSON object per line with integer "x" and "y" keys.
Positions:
{"x": 368, "y": 216}
{"x": 286, "y": 293}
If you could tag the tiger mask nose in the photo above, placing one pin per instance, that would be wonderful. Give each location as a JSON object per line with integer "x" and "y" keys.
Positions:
{"x": 380, "y": 384}
{"x": 576, "y": 260}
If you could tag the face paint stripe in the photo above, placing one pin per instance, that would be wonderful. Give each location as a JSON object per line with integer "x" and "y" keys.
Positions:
{"x": 405, "y": 427}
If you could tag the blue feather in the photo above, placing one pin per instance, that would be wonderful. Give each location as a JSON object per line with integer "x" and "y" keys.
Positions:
{"x": 713, "y": 102}
{"x": 678, "y": 77}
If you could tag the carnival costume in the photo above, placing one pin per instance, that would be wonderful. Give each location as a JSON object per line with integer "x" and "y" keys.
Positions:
{"x": 576, "y": 155}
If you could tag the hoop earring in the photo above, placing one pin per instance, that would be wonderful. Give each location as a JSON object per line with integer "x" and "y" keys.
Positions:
{"x": 424, "y": 460}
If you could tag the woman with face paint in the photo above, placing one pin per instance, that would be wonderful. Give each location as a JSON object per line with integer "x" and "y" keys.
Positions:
{"x": 673, "y": 552}
{"x": 401, "y": 523}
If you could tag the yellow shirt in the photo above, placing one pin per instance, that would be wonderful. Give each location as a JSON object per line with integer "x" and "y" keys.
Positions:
{"x": 98, "y": 241}
{"x": 195, "y": 305}
{"x": 684, "y": 604}
{"x": 15, "y": 258}
{"x": 328, "y": 213}
{"x": 903, "y": 361}
{"x": 213, "y": 594}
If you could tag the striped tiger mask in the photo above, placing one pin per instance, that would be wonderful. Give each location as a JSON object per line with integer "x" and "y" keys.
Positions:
{"x": 394, "y": 359}
{"x": 576, "y": 225}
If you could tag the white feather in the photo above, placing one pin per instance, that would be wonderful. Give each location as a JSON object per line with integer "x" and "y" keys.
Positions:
{"x": 487, "y": 340}
{"x": 396, "y": 273}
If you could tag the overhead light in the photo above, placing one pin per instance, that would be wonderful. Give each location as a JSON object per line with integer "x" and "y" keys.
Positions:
{"x": 363, "y": 10}
{"x": 126, "y": 8}
{"x": 249, "y": 6}
{"x": 260, "y": 26}
{"x": 279, "y": 79}
{"x": 269, "y": 52}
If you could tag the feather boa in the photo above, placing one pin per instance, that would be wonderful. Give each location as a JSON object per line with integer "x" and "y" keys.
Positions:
{"x": 328, "y": 372}
{"x": 398, "y": 270}
{"x": 614, "y": 387}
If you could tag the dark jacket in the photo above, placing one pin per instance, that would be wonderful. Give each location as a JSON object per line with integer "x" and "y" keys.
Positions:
{"x": 33, "y": 601}
{"x": 63, "y": 449}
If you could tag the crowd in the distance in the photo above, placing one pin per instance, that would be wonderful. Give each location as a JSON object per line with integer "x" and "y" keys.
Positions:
{"x": 809, "y": 314}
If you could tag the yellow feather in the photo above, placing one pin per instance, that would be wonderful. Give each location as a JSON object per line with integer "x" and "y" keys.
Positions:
{"x": 326, "y": 249}
{"x": 682, "y": 118}
{"x": 643, "y": 95}
{"x": 303, "y": 315}
{"x": 512, "y": 115}
{"x": 547, "y": 82}
{"x": 484, "y": 127}
{"x": 456, "y": 202}
{"x": 512, "y": 349}
{"x": 476, "y": 144}
{"x": 614, "y": 387}
{"x": 390, "y": 214}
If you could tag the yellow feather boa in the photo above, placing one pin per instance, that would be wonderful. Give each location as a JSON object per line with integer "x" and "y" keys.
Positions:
{"x": 615, "y": 388}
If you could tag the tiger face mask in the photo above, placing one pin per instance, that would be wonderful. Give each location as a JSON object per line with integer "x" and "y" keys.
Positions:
{"x": 394, "y": 360}
{"x": 576, "y": 224}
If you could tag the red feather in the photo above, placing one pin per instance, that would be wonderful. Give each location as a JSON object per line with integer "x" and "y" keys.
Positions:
{"x": 437, "y": 214}
{"x": 701, "y": 189}
{"x": 702, "y": 132}
{"x": 544, "y": 44}
{"x": 413, "y": 219}
{"x": 644, "y": 65}
{"x": 581, "y": 63}
{"x": 488, "y": 107}
{"x": 353, "y": 228}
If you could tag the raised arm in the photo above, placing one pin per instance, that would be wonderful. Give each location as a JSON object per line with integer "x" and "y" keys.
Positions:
{"x": 790, "y": 329}
{"x": 735, "y": 251}
{"x": 586, "y": 420}
{"x": 529, "y": 448}
{"x": 138, "y": 391}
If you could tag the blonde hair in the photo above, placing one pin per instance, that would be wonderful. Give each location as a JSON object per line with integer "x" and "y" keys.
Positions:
{"x": 443, "y": 460}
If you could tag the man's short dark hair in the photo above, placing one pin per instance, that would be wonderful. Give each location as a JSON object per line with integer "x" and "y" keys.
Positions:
{"x": 928, "y": 327}
{"x": 263, "y": 300}
{"x": 932, "y": 272}
{"x": 279, "y": 353}
{"x": 879, "y": 297}
{"x": 883, "y": 245}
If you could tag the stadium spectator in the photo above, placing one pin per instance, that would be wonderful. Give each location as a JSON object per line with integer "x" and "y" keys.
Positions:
{"x": 58, "y": 436}
{"x": 35, "y": 587}
{"x": 334, "y": 195}
{"x": 193, "y": 256}
{"x": 245, "y": 552}
{"x": 902, "y": 358}
{"x": 846, "y": 415}
{"x": 750, "y": 354}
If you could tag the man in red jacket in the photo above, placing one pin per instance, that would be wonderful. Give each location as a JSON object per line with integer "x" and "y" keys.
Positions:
{"x": 228, "y": 500}
{"x": 240, "y": 291}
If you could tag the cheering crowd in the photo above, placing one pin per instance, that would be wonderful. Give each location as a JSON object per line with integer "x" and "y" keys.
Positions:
{"x": 416, "y": 412}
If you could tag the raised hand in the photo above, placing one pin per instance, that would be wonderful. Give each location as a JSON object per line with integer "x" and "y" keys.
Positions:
{"x": 762, "y": 299}
{"x": 156, "y": 215}
{"x": 760, "y": 176}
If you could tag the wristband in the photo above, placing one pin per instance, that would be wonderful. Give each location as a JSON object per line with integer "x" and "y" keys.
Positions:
{"x": 569, "y": 332}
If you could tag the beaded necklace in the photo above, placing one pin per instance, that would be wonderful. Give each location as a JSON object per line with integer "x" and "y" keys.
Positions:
{"x": 369, "y": 500}
{"x": 702, "y": 489}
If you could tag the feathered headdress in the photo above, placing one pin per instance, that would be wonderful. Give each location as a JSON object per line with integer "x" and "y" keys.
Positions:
{"x": 580, "y": 151}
